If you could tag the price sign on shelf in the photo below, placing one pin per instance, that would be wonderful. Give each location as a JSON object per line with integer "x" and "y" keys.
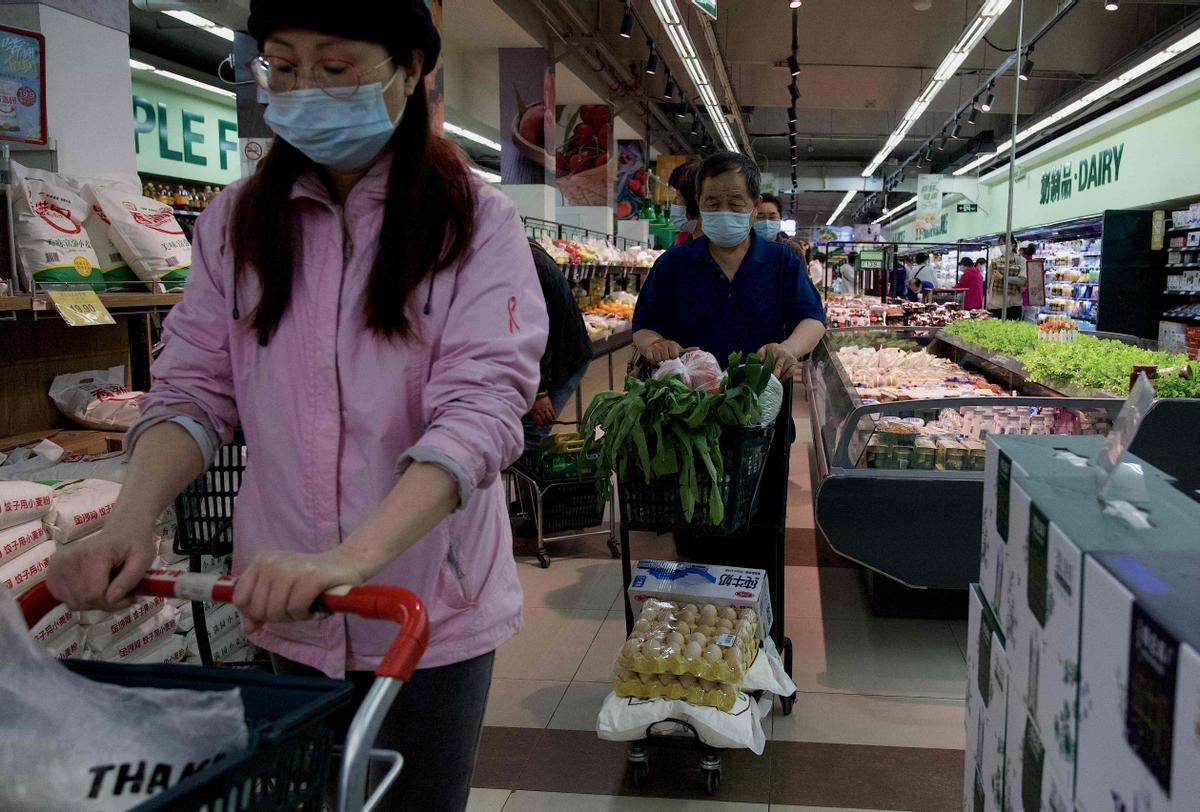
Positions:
{"x": 80, "y": 308}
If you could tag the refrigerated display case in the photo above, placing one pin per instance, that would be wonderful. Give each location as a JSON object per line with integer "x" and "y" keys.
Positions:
{"x": 919, "y": 526}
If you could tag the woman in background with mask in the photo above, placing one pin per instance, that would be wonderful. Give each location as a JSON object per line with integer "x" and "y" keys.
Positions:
{"x": 370, "y": 315}
{"x": 685, "y": 214}
{"x": 729, "y": 290}
{"x": 768, "y": 224}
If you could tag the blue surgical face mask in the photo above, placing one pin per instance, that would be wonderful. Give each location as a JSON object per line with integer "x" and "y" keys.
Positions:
{"x": 726, "y": 228}
{"x": 767, "y": 229}
{"x": 680, "y": 220}
{"x": 342, "y": 133}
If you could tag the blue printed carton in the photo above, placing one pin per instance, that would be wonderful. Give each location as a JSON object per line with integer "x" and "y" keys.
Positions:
{"x": 684, "y": 582}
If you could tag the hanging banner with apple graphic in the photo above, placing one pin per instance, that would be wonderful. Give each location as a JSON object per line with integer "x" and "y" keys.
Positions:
{"x": 583, "y": 168}
{"x": 527, "y": 127}
{"x": 631, "y": 178}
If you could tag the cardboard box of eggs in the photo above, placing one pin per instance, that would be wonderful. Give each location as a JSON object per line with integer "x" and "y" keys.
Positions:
{"x": 688, "y": 651}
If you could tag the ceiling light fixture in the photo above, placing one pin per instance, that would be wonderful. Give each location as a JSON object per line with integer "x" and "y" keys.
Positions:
{"x": 956, "y": 131}
{"x": 975, "y": 30}
{"x": 682, "y": 112}
{"x": 681, "y": 40}
{"x": 1182, "y": 45}
{"x": 669, "y": 90}
{"x": 627, "y": 23}
{"x": 941, "y": 142}
{"x": 137, "y": 65}
{"x": 187, "y": 80}
{"x": 463, "y": 132}
{"x": 794, "y": 3}
{"x": 886, "y": 214}
{"x": 652, "y": 60}
{"x": 841, "y": 206}
{"x": 794, "y": 91}
{"x": 988, "y": 100}
{"x": 792, "y": 115}
{"x": 1027, "y": 68}
{"x": 1112, "y": 5}
{"x": 203, "y": 23}
{"x": 972, "y": 114}
{"x": 793, "y": 65}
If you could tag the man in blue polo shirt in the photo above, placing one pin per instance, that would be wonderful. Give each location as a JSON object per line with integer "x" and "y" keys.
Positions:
{"x": 729, "y": 290}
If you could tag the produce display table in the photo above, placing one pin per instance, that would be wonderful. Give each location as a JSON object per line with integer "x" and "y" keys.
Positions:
{"x": 920, "y": 527}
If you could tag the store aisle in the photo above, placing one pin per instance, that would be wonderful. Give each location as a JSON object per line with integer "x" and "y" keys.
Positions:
{"x": 878, "y": 722}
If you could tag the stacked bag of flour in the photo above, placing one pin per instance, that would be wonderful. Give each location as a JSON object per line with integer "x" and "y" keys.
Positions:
{"x": 25, "y": 542}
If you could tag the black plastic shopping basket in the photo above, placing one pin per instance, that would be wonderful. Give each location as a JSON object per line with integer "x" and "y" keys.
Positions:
{"x": 286, "y": 763}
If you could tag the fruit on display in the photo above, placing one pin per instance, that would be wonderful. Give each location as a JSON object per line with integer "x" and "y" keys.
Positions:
{"x": 1093, "y": 363}
{"x": 698, "y": 653}
{"x": 612, "y": 315}
{"x": 598, "y": 252}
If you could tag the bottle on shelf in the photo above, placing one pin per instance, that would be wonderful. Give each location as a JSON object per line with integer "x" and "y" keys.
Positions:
{"x": 164, "y": 196}
{"x": 181, "y": 200}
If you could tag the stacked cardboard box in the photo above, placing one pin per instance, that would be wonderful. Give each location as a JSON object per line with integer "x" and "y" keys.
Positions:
{"x": 1043, "y": 520}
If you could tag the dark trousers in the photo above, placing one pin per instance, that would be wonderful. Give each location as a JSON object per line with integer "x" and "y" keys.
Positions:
{"x": 435, "y": 724}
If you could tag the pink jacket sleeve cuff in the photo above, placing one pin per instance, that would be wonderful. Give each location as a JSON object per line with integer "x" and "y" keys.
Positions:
{"x": 420, "y": 453}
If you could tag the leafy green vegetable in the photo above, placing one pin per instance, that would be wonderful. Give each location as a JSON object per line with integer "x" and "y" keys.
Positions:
{"x": 663, "y": 429}
{"x": 1096, "y": 363}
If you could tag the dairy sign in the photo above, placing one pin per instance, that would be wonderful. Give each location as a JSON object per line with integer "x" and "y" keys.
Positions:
{"x": 1101, "y": 168}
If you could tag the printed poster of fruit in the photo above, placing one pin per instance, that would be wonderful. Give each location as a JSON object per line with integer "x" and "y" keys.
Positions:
{"x": 435, "y": 80}
{"x": 631, "y": 178}
{"x": 526, "y": 116}
{"x": 22, "y": 86}
{"x": 582, "y": 164}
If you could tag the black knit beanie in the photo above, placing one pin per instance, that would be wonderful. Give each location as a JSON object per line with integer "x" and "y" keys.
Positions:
{"x": 397, "y": 25}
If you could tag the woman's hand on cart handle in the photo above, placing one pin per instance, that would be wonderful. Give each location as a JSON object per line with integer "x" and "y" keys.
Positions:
{"x": 99, "y": 572}
{"x": 279, "y": 586}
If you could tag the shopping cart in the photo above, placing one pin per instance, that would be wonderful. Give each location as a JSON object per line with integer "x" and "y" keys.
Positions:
{"x": 285, "y": 764}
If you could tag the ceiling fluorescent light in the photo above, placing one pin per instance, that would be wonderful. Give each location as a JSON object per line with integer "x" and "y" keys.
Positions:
{"x": 137, "y": 65}
{"x": 667, "y": 11}
{"x": 841, "y": 206}
{"x": 681, "y": 42}
{"x": 202, "y": 23}
{"x": 187, "y": 80}
{"x": 893, "y": 212}
{"x": 490, "y": 177}
{"x": 463, "y": 132}
{"x": 695, "y": 72}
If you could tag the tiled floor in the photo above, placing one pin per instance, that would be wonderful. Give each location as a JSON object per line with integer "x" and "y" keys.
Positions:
{"x": 877, "y": 724}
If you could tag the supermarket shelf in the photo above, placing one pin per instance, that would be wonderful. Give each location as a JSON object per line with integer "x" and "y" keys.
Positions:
{"x": 185, "y": 213}
{"x": 12, "y": 303}
{"x": 1072, "y": 298}
{"x": 612, "y": 343}
{"x": 115, "y": 302}
{"x": 1190, "y": 267}
{"x": 1169, "y": 292}
{"x": 1183, "y": 229}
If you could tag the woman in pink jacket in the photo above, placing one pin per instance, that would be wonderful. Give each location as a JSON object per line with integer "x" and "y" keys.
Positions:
{"x": 370, "y": 315}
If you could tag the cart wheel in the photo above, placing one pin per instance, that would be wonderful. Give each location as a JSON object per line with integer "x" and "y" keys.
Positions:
{"x": 712, "y": 781}
{"x": 787, "y": 702}
{"x": 787, "y": 655}
{"x": 543, "y": 560}
{"x": 613, "y": 548}
{"x": 639, "y": 771}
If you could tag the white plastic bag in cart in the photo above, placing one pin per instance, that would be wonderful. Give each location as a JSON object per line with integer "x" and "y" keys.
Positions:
{"x": 767, "y": 673}
{"x": 625, "y": 719}
{"x": 71, "y": 743}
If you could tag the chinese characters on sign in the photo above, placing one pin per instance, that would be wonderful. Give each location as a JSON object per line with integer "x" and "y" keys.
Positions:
{"x": 1098, "y": 169}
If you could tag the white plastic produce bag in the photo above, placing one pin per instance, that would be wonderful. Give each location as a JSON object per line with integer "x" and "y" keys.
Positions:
{"x": 697, "y": 369}
{"x": 96, "y": 399}
{"x": 771, "y": 401}
{"x": 73, "y": 744}
{"x": 628, "y": 719}
{"x": 147, "y": 235}
{"x": 81, "y": 508}
{"x": 22, "y": 502}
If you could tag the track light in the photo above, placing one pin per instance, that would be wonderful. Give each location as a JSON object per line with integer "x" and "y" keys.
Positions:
{"x": 681, "y": 113}
{"x": 928, "y": 158}
{"x": 793, "y": 65}
{"x": 695, "y": 124}
{"x": 956, "y": 131}
{"x": 971, "y": 115}
{"x": 652, "y": 60}
{"x": 1112, "y": 5}
{"x": 792, "y": 115}
{"x": 669, "y": 90}
{"x": 794, "y": 3}
{"x": 792, "y": 128}
{"x": 627, "y": 23}
{"x": 1027, "y": 68}
{"x": 987, "y": 101}
{"x": 795, "y": 91}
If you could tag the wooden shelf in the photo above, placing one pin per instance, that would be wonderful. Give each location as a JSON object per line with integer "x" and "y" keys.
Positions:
{"x": 9, "y": 303}
{"x": 113, "y": 301}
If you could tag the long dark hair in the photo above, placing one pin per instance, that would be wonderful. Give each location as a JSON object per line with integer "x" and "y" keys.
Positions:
{"x": 428, "y": 223}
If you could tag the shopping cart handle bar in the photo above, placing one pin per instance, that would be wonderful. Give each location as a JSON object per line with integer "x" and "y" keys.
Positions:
{"x": 369, "y": 601}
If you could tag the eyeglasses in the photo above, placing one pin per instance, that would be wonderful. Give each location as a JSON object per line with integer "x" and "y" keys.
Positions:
{"x": 335, "y": 77}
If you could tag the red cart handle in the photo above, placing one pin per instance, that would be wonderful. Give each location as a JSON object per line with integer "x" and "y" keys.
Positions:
{"x": 370, "y": 601}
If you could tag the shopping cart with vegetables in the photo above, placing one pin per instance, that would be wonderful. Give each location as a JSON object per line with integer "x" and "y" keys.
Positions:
{"x": 554, "y": 485}
{"x": 722, "y": 482}
{"x": 287, "y": 761}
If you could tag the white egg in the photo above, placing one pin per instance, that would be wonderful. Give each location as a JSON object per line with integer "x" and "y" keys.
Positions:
{"x": 689, "y": 616}
{"x": 666, "y": 679}
{"x": 690, "y": 608}
{"x": 683, "y": 628}
{"x": 708, "y": 631}
{"x": 675, "y": 641}
{"x": 699, "y": 638}
{"x": 708, "y": 613}
{"x": 666, "y": 615}
{"x": 726, "y": 624}
{"x": 652, "y": 647}
{"x": 631, "y": 648}
{"x": 729, "y": 613}
{"x": 642, "y": 626}
{"x": 687, "y": 680}
{"x": 733, "y": 656}
{"x": 712, "y": 654}
{"x": 692, "y": 651}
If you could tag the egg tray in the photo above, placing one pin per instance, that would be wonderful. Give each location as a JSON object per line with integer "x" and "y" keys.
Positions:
{"x": 714, "y": 643}
{"x": 722, "y": 697}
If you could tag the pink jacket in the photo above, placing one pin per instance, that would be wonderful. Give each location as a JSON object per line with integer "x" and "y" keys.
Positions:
{"x": 330, "y": 411}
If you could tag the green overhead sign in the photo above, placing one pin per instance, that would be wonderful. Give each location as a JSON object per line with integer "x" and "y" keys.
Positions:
{"x": 709, "y": 7}
{"x": 184, "y": 133}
